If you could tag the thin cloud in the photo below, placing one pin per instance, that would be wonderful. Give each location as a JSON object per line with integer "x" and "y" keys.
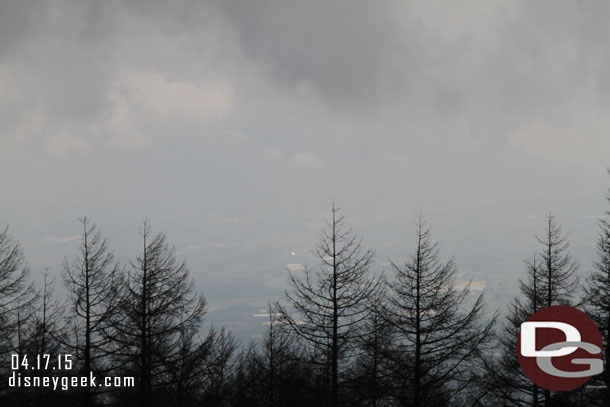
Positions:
{"x": 295, "y": 267}
{"x": 62, "y": 239}
{"x": 142, "y": 98}
{"x": 308, "y": 160}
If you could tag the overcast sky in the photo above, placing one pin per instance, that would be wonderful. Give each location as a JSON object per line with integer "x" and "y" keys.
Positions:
{"x": 233, "y": 125}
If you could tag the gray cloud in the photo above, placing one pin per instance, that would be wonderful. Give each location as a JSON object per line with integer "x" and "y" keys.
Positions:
{"x": 233, "y": 125}
{"x": 350, "y": 53}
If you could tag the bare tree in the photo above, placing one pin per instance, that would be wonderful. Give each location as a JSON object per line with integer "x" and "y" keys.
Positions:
{"x": 18, "y": 301}
{"x": 371, "y": 368}
{"x": 220, "y": 369}
{"x": 330, "y": 303}
{"x": 186, "y": 368}
{"x": 558, "y": 272}
{"x": 17, "y": 292}
{"x": 285, "y": 370}
{"x": 437, "y": 340}
{"x": 161, "y": 314}
{"x": 49, "y": 331}
{"x": 50, "y": 323}
{"x": 551, "y": 280}
{"x": 597, "y": 295}
{"x": 506, "y": 381}
{"x": 558, "y": 281}
{"x": 93, "y": 280}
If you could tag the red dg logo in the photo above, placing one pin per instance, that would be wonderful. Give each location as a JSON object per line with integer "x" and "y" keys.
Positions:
{"x": 559, "y": 348}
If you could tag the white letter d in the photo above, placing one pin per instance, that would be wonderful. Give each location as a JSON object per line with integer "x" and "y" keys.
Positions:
{"x": 528, "y": 338}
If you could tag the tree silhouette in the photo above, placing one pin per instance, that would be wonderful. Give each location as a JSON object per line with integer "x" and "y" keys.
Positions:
{"x": 18, "y": 301}
{"x": 506, "y": 381}
{"x": 49, "y": 333}
{"x": 220, "y": 369}
{"x": 159, "y": 321}
{"x": 437, "y": 341}
{"x": 558, "y": 272}
{"x": 284, "y": 367}
{"x": 330, "y": 302}
{"x": 371, "y": 372}
{"x": 551, "y": 280}
{"x": 559, "y": 280}
{"x": 597, "y": 296}
{"x": 17, "y": 292}
{"x": 93, "y": 279}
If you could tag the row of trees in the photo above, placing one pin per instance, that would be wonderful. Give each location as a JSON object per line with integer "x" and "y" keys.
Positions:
{"x": 344, "y": 336}
{"x": 141, "y": 321}
{"x": 413, "y": 340}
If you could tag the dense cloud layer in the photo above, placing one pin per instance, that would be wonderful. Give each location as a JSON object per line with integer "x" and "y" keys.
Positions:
{"x": 233, "y": 125}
